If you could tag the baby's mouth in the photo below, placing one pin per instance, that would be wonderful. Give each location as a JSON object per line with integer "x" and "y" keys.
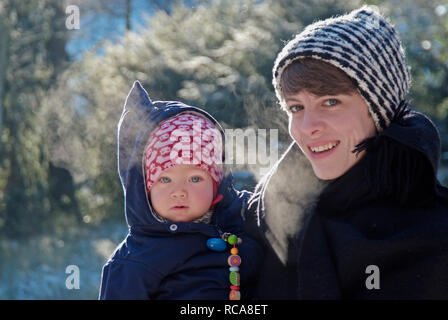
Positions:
{"x": 180, "y": 207}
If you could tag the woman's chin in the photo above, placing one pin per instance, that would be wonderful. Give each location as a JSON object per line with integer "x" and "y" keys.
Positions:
{"x": 328, "y": 174}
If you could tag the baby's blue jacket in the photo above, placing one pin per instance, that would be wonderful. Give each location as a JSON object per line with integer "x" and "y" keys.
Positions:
{"x": 166, "y": 260}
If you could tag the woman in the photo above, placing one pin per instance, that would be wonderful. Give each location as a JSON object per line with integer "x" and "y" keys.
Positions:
{"x": 353, "y": 209}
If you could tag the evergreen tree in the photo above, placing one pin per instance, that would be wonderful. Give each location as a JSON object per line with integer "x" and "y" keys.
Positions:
{"x": 32, "y": 52}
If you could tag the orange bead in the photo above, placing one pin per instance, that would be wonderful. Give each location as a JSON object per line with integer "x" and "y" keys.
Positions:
{"x": 235, "y": 295}
{"x": 234, "y": 251}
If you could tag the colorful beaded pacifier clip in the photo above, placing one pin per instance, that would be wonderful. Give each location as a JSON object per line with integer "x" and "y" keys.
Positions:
{"x": 234, "y": 260}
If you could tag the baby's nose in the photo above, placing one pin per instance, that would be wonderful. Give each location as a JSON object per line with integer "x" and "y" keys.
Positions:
{"x": 180, "y": 194}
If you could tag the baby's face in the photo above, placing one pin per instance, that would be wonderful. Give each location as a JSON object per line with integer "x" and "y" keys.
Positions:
{"x": 182, "y": 193}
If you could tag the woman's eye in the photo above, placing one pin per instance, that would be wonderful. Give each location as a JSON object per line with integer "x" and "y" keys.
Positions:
{"x": 195, "y": 179}
{"x": 295, "y": 108}
{"x": 331, "y": 102}
{"x": 165, "y": 180}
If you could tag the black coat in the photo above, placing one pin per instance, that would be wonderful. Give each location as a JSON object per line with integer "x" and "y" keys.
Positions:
{"x": 388, "y": 212}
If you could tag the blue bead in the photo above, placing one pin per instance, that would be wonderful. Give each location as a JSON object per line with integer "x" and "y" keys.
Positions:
{"x": 234, "y": 269}
{"x": 216, "y": 244}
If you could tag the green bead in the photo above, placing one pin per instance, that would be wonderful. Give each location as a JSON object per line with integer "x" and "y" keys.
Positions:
{"x": 234, "y": 278}
{"x": 232, "y": 239}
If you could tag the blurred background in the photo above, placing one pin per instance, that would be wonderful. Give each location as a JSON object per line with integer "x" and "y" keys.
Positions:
{"x": 62, "y": 89}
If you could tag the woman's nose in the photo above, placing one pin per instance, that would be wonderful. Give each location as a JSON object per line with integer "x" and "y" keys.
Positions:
{"x": 311, "y": 124}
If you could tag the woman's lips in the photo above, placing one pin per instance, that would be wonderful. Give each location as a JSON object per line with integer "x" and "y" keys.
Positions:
{"x": 323, "y": 149}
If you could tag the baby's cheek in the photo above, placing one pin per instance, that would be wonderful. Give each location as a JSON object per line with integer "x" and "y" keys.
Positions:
{"x": 157, "y": 198}
{"x": 206, "y": 197}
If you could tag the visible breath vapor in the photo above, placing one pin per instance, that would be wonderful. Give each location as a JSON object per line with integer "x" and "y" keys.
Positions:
{"x": 288, "y": 191}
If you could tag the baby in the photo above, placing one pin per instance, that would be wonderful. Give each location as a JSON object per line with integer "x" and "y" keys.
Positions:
{"x": 185, "y": 218}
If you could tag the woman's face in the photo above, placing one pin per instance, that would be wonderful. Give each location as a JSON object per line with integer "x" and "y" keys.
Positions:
{"x": 328, "y": 128}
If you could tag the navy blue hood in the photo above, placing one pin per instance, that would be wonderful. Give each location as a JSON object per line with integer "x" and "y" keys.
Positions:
{"x": 139, "y": 118}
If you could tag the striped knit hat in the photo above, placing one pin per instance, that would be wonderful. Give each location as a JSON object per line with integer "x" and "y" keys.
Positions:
{"x": 365, "y": 46}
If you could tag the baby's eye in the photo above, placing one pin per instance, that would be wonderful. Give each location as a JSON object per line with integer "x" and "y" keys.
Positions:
{"x": 195, "y": 179}
{"x": 331, "y": 102}
{"x": 165, "y": 180}
{"x": 295, "y": 108}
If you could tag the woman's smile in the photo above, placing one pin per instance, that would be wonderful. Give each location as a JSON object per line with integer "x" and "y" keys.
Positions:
{"x": 320, "y": 150}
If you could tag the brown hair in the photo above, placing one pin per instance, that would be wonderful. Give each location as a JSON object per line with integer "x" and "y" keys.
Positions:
{"x": 316, "y": 76}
